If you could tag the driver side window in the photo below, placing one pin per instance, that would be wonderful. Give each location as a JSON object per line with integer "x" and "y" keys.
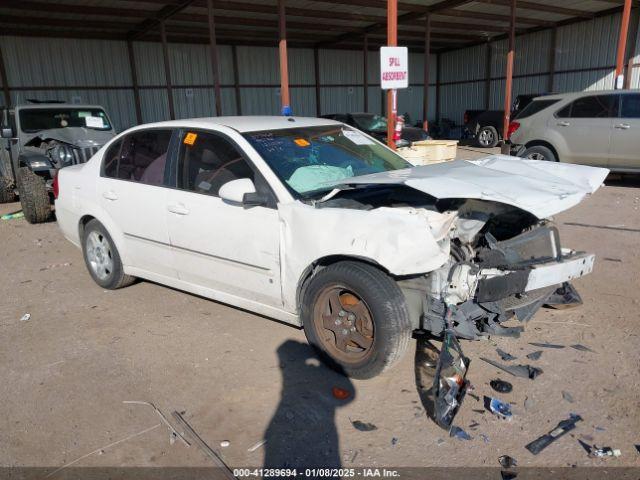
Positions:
{"x": 208, "y": 161}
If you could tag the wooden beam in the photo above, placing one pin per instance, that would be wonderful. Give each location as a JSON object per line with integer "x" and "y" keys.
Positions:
{"x": 158, "y": 18}
{"x": 5, "y": 81}
{"x": 543, "y": 7}
{"x": 285, "y": 103}
{"x": 167, "y": 70}
{"x": 134, "y": 81}
{"x": 427, "y": 55}
{"x": 215, "y": 65}
{"x": 552, "y": 58}
{"x": 509, "y": 79}
{"x": 316, "y": 74}
{"x": 236, "y": 79}
{"x": 493, "y": 17}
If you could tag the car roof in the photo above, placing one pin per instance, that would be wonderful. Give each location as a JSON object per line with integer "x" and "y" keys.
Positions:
{"x": 246, "y": 123}
{"x": 56, "y": 105}
{"x": 572, "y": 95}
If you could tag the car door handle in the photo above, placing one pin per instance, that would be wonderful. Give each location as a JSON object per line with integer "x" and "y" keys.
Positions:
{"x": 563, "y": 124}
{"x": 178, "y": 209}
{"x": 110, "y": 195}
{"x": 622, "y": 126}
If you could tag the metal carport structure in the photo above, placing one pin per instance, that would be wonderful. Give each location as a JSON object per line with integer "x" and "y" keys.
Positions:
{"x": 441, "y": 28}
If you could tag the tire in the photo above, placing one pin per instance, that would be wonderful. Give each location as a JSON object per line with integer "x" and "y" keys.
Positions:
{"x": 34, "y": 197}
{"x": 7, "y": 192}
{"x": 539, "y": 152}
{"x": 487, "y": 137}
{"x": 102, "y": 258}
{"x": 370, "y": 307}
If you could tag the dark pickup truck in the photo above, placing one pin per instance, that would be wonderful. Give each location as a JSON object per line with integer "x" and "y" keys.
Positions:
{"x": 485, "y": 126}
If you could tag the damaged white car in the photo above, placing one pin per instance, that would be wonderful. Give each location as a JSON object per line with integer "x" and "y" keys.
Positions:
{"x": 314, "y": 223}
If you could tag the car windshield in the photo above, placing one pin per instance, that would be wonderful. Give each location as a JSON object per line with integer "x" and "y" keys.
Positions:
{"x": 311, "y": 161}
{"x": 36, "y": 119}
{"x": 370, "y": 122}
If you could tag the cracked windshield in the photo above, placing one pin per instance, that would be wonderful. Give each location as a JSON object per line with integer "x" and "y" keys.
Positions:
{"x": 310, "y": 161}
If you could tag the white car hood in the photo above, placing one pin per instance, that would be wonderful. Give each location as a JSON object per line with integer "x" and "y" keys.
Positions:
{"x": 539, "y": 187}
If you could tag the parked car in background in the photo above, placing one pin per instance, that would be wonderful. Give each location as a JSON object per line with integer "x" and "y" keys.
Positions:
{"x": 486, "y": 126}
{"x": 376, "y": 126}
{"x": 40, "y": 139}
{"x": 314, "y": 223}
{"x": 590, "y": 128}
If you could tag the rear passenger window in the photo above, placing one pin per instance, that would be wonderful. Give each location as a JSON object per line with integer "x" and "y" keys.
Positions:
{"x": 595, "y": 106}
{"x": 630, "y": 106}
{"x": 535, "y": 107}
{"x": 110, "y": 160}
{"x": 142, "y": 157}
{"x": 208, "y": 161}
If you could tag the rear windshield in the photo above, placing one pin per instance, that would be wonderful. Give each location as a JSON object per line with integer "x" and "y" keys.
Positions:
{"x": 36, "y": 119}
{"x": 535, "y": 107}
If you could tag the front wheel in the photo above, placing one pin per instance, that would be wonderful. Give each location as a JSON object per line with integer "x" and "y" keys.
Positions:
{"x": 487, "y": 137}
{"x": 539, "y": 152}
{"x": 34, "y": 197}
{"x": 356, "y": 317}
{"x": 102, "y": 258}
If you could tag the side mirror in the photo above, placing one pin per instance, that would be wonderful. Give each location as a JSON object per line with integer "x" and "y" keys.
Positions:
{"x": 241, "y": 191}
{"x": 7, "y": 132}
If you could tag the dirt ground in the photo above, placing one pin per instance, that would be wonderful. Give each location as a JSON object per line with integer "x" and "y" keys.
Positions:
{"x": 242, "y": 378}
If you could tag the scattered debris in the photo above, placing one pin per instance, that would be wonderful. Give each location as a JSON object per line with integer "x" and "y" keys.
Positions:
{"x": 506, "y": 357}
{"x": 605, "y": 452}
{"x": 474, "y": 425}
{"x": 394, "y": 440}
{"x": 524, "y": 371}
{"x": 501, "y": 386}
{"x": 481, "y": 412}
{"x": 362, "y": 426}
{"x": 535, "y": 355}
{"x": 610, "y": 259}
{"x": 55, "y": 265}
{"x": 507, "y": 462}
{"x": 528, "y": 403}
{"x": 567, "y": 396}
{"x": 498, "y": 408}
{"x": 474, "y": 396}
{"x": 564, "y": 297}
{"x": 11, "y": 216}
{"x": 340, "y": 393}
{"x": 173, "y": 432}
{"x": 203, "y": 446}
{"x": 600, "y": 429}
{"x": 26, "y": 317}
{"x": 547, "y": 439}
{"x": 546, "y": 345}
{"x": 459, "y": 433}
{"x": 484, "y": 438}
{"x": 637, "y": 448}
{"x": 225, "y": 443}
{"x": 588, "y": 438}
{"x": 256, "y": 446}
{"x": 439, "y": 442}
{"x": 582, "y": 348}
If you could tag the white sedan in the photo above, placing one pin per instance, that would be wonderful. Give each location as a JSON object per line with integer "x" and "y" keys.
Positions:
{"x": 314, "y": 223}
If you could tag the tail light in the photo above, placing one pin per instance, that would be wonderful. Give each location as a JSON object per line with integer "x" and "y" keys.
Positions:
{"x": 513, "y": 126}
{"x": 56, "y": 185}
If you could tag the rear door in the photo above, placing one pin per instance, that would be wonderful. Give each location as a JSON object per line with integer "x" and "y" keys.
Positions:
{"x": 132, "y": 190}
{"x": 221, "y": 246}
{"x": 584, "y": 129}
{"x": 625, "y": 136}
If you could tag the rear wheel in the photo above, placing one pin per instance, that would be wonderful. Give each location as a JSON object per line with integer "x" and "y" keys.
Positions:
{"x": 34, "y": 197}
{"x": 356, "y": 317}
{"x": 102, "y": 258}
{"x": 539, "y": 152}
{"x": 487, "y": 137}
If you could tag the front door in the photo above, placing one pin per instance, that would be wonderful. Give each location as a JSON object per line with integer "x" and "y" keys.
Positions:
{"x": 585, "y": 126}
{"x": 625, "y": 136}
{"x": 132, "y": 191}
{"x": 222, "y": 246}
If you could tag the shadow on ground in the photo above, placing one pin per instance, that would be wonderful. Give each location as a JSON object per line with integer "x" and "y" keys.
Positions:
{"x": 302, "y": 433}
{"x": 623, "y": 180}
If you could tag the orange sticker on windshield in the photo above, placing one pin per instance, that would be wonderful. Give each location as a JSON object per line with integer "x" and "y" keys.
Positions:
{"x": 190, "y": 138}
{"x": 301, "y": 142}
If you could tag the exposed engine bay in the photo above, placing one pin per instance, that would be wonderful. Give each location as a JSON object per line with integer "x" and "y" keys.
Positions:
{"x": 503, "y": 262}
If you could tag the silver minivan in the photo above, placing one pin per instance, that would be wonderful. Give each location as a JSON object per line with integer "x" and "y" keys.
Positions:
{"x": 592, "y": 128}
